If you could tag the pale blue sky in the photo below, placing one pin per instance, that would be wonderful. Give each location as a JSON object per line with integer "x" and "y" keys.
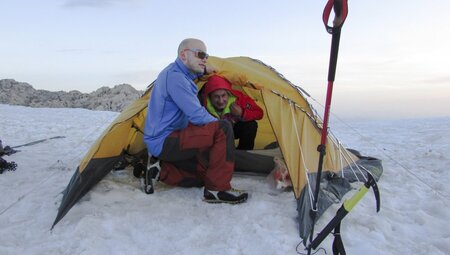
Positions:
{"x": 393, "y": 59}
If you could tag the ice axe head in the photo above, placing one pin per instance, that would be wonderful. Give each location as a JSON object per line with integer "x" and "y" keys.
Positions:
{"x": 372, "y": 183}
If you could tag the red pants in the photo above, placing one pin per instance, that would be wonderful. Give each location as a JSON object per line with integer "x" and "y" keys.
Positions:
{"x": 199, "y": 156}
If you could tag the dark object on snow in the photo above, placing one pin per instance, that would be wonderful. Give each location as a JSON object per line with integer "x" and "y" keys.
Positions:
{"x": 7, "y": 150}
{"x": 5, "y": 165}
{"x": 38, "y": 141}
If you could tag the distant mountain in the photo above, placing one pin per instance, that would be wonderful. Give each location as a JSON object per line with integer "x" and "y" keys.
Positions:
{"x": 104, "y": 98}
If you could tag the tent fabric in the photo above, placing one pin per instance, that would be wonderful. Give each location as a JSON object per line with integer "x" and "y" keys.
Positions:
{"x": 333, "y": 189}
{"x": 289, "y": 120}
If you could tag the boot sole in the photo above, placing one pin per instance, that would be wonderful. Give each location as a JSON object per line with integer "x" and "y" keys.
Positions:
{"x": 215, "y": 201}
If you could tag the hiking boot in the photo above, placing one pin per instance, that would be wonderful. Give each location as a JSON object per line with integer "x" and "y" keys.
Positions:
{"x": 151, "y": 174}
{"x": 232, "y": 196}
{"x": 139, "y": 169}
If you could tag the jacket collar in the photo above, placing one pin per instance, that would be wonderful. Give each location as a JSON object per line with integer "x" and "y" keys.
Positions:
{"x": 185, "y": 70}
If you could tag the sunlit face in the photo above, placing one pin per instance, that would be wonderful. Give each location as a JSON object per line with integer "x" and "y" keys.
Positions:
{"x": 194, "y": 56}
{"x": 219, "y": 99}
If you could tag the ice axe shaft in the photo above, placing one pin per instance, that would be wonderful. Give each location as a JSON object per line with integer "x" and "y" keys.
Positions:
{"x": 341, "y": 10}
{"x": 346, "y": 207}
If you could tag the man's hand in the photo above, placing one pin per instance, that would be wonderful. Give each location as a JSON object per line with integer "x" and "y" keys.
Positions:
{"x": 236, "y": 110}
{"x": 210, "y": 69}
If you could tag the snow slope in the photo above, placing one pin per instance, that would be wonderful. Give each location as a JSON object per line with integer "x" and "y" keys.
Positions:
{"x": 116, "y": 217}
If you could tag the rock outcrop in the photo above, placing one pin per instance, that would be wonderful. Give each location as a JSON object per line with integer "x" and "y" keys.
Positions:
{"x": 104, "y": 98}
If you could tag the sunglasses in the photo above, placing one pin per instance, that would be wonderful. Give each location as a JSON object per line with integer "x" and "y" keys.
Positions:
{"x": 199, "y": 53}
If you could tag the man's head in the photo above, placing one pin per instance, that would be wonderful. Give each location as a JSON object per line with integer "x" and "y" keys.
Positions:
{"x": 217, "y": 89}
{"x": 219, "y": 99}
{"x": 192, "y": 53}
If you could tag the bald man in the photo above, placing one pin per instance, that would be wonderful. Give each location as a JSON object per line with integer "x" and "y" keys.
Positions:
{"x": 195, "y": 149}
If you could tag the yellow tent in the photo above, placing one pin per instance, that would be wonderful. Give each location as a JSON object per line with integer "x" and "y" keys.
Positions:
{"x": 289, "y": 119}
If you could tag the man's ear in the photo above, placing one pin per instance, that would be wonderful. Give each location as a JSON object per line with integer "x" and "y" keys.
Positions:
{"x": 183, "y": 55}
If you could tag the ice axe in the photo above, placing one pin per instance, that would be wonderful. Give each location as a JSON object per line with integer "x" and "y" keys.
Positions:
{"x": 347, "y": 206}
{"x": 340, "y": 8}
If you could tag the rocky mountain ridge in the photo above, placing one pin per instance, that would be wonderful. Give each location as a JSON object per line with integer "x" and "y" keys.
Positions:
{"x": 105, "y": 99}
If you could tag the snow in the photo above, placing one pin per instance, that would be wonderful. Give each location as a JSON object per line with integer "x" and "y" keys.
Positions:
{"x": 116, "y": 217}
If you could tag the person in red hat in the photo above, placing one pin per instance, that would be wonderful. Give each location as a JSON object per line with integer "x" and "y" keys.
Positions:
{"x": 223, "y": 102}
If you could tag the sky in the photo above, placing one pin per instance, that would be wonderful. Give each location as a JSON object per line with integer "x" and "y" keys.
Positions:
{"x": 117, "y": 217}
{"x": 393, "y": 56}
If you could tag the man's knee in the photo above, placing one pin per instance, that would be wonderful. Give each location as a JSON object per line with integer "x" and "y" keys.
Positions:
{"x": 226, "y": 126}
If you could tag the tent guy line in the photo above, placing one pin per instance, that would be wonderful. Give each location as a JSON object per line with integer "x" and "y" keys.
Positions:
{"x": 21, "y": 197}
{"x": 387, "y": 153}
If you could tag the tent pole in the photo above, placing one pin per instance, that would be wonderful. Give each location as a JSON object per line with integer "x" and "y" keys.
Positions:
{"x": 340, "y": 10}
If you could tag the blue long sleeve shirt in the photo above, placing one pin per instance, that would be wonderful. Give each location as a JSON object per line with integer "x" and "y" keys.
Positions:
{"x": 172, "y": 105}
